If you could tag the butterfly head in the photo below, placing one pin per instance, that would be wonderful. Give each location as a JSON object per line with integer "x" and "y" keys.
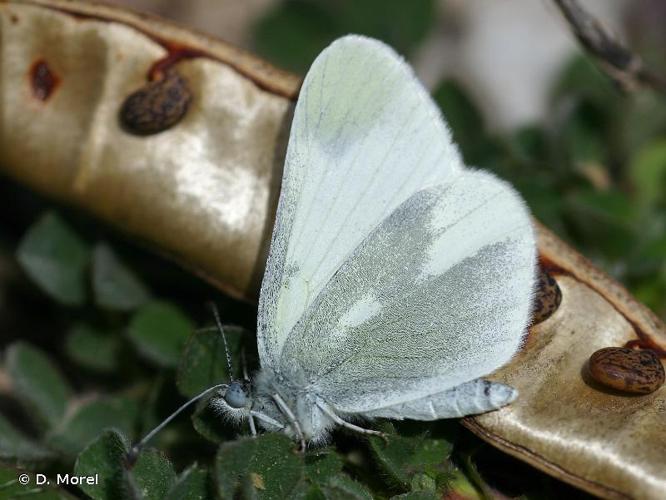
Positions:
{"x": 237, "y": 394}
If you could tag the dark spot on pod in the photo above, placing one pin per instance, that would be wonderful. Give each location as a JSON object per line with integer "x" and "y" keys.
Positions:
{"x": 42, "y": 80}
{"x": 547, "y": 298}
{"x": 158, "y": 106}
{"x": 627, "y": 370}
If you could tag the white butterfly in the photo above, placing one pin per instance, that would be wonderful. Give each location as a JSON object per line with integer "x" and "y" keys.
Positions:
{"x": 396, "y": 276}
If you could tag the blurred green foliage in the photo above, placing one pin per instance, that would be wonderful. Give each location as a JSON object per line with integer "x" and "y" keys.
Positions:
{"x": 100, "y": 340}
{"x": 56, "y": 258}
{"x": 159, "y": 331}
{"x": 295, "y": 31}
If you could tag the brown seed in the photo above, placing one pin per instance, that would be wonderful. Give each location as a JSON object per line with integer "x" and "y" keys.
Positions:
{"x": 627, "y": 370}
{"x": 157, "y": 106}
{"x": 547, "y": 298}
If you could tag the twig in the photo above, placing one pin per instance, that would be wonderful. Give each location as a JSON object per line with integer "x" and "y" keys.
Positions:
{"x": 625, "y": 68}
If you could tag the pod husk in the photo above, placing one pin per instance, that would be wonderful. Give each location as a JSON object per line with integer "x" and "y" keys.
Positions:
{"x": 204, "y": 193}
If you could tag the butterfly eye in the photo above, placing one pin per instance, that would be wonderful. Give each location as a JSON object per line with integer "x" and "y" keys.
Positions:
{"x": 236, "y": 397}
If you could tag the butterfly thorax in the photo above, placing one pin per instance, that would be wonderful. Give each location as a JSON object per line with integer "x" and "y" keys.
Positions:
{"x": 301, "y": 401}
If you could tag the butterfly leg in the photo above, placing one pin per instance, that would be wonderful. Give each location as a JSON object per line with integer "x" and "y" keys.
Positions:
{"x": 267, "y": 419}
{"x": 253, "y": 428}
{"x": 328, "y": 411}
{"x": 292, "y": 418}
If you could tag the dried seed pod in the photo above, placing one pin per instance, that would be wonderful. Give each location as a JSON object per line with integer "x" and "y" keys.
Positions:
{"x": 627, "y": 370}
{"x": 157, "y": 106}
{"x": 547, "y": 297}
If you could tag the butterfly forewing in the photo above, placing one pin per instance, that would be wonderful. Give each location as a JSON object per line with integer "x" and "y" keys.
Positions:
{"x": 365, "y": 137}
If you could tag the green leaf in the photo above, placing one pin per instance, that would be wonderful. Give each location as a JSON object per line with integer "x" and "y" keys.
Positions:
{"x": 268, "y": 466}
{"x": 529, "y": 145}
{"x": 321, "y": 465}
{"x": 293, "y": 33}
{"x": 9, "y": 484}
{"x": 610, "y": 206}
{"x": 544, "y": 200}
{"x": 42, "y": 493}
{"x": 159, "y": 331}
{"x": 342, "y": 487}
{"x": 585, "y": 113}
{"x": 602, "y": 220}
{"x": 208, "y": 422}
{"x": 192, "y": 484}
{"x": 304, "y": 490}
{"x": 646, "y": 259}
{"x": 651, "y": 292}
{"x": 581, "y": 79}
{"x": 582, "y": 136}
{"x": 37, "y": 383}
{"x": 422, "y": 481}
{"x": 115, "y": 286}
{"x": 150, "y": 477}
{"x": 464, "y": 119}
{"x": 387, "y": 20}
{"x": 641, "y": 122}
{"x": 648, "y": 174}
{"x": 105, "y": 456}
{"x": 203, "y": 362}
{"x": 92, "y": 348}
{"x": 55, "y": 258}
{"x": 403, "y": 457}
{"x": 153, "y": 475}
{"x": 14, "y": 446}
{"x": 87, "y": 421}
{"x": 417, "y": 495}
{"x": 460, "y": 487}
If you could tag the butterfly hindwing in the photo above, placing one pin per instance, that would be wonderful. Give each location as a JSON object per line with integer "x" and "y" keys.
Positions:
{"x": 437, "y": 295}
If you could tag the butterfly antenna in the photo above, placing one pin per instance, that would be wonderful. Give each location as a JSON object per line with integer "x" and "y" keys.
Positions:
{"x": 213, "y": 307}
{"x": 136, "y": 449}
{"x": 244, "y": 365}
